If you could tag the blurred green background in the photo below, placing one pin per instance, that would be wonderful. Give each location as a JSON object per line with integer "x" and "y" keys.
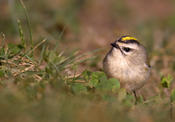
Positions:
{"x": 92, "y": 23}
{"x": 86, "y": 25}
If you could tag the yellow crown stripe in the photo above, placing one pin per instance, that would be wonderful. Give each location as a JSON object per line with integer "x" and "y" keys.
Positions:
{"x": 128, "y": 38}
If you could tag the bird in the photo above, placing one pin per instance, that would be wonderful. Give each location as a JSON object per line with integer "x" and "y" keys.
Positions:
{"x": 127, "y": 61}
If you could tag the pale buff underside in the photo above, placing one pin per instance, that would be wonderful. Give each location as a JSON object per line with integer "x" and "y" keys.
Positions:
{"x": 131, "y": 77}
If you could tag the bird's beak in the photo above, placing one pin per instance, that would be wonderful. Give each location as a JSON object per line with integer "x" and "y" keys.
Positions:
{"x": 117, "y": 47}
{"x": 114, "y": 45}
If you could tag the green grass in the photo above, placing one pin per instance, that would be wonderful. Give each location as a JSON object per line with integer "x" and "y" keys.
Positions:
{"x": 38, "y": 88}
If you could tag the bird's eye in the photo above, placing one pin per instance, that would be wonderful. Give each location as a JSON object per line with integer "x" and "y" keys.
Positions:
{"x": 126, "y": 49}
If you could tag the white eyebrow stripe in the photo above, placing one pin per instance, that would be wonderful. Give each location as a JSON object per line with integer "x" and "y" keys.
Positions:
{"x": 132, "y": 46}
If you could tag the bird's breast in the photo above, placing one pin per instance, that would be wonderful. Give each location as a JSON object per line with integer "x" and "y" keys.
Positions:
{"x": 131, "y": 77}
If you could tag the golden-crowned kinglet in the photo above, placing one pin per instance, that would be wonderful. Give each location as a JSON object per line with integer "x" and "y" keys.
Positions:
{"x": 127, "y": 61}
